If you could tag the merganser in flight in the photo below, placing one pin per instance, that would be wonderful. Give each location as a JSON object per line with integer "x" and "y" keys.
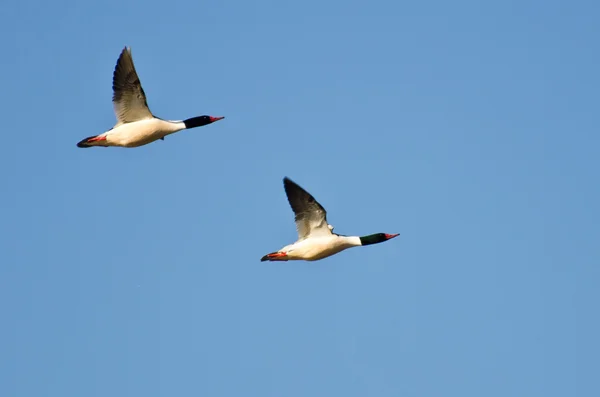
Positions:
{"x": 316, "y": 239}
{"x": 136, "y": 125}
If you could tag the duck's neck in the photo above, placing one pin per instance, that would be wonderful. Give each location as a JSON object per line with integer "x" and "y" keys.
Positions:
{"x": 172, "y": 126}
{"x": 352, "y": 241}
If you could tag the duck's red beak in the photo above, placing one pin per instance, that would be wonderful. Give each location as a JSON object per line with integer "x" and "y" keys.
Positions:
{"x": 389, "y": 236}
{"x": 213, "y": 119}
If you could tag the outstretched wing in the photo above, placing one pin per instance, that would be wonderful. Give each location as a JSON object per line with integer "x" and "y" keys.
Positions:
{"x": 310, "y": 216}
{"x": 129, "y": 99}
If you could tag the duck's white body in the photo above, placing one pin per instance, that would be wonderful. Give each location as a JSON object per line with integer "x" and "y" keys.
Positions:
{"x": 141, "y": 132}
{"x": 316, "y": 239}
{"x": 136, "y": 125}
{"x": 315, "y": 248}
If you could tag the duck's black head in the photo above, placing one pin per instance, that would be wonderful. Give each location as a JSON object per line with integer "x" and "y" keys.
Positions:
{"x": 377, "y": 238}
{"x": 200, "y": 121}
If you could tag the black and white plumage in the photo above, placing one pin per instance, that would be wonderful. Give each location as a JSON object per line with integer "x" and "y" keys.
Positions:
{"x": 136, "y": 125}
{"x": 316, "y": 239}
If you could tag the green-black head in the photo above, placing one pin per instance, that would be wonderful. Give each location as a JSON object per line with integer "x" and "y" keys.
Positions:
{"x": 377, "y": 238}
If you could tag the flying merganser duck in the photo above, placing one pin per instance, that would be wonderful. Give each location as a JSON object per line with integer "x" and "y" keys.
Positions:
{"x": 136, "y": 126}
{"x": 316, "y": 239}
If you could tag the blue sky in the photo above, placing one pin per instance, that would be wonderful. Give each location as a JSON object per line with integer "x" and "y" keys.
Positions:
{"x": 471, "y": 128}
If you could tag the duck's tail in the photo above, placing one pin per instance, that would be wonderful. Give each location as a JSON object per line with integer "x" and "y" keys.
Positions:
{"x": 96, "y": 140}
{"x": 275, "y": 256}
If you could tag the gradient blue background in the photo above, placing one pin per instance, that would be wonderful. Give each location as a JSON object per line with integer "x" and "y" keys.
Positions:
{"x": 470, "y": 128}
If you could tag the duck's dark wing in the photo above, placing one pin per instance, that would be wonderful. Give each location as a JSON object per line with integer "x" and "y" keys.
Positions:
{"x": 310, "y": 216}
{"x": 129, "y": 99}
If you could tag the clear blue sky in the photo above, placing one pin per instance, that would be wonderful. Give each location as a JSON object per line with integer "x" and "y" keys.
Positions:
{"x": 469, "y": 128}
